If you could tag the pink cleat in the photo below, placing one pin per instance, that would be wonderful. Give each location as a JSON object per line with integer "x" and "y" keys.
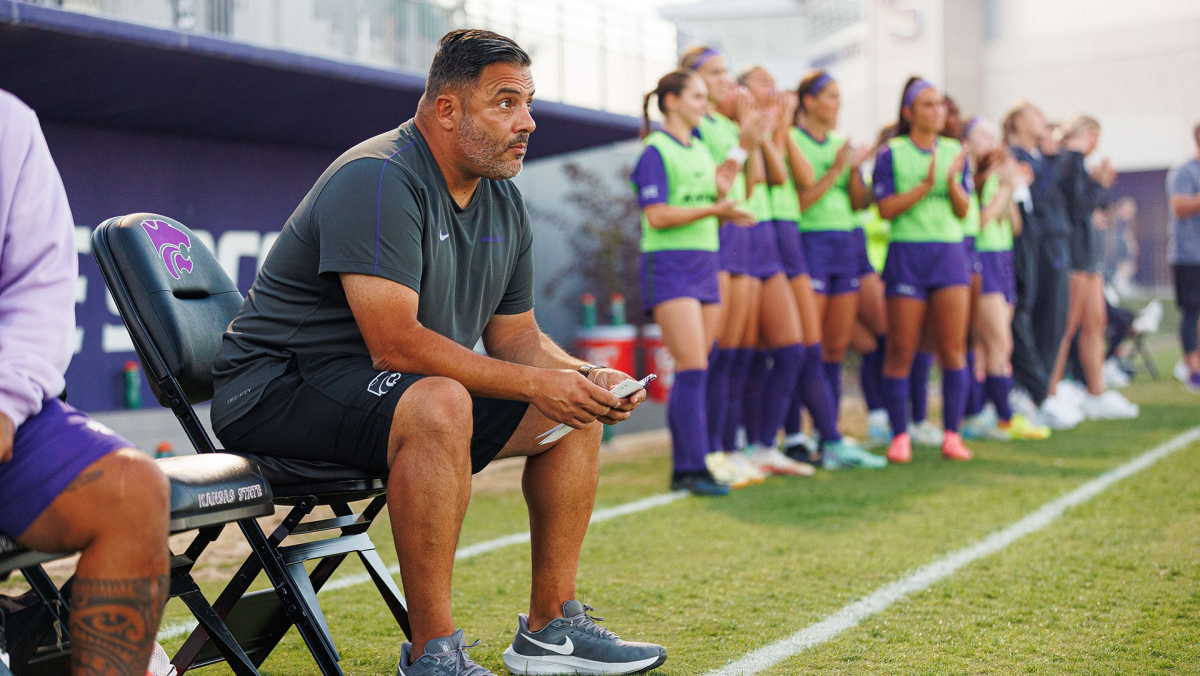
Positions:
{"x": 953, "y": 447}
{"x": 900, "y": 450}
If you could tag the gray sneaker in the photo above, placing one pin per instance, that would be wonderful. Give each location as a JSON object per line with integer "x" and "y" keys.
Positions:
{"x": 575, "y": 644}
{"x": 443, "y": 657}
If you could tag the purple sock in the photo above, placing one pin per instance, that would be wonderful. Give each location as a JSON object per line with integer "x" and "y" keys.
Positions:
{"x": 998, "y": 388}
{"x": 975, "y": 395}
{"x": 870, "y": 374}
{"x": 686, "y": 417}
{"x": 895, "y": 397}
{"x": 833, "y": 377}
{"x": 752, "y": 404}
{"x": 791, "y": 419}
{"x": 954, "y": 397}
{"x": 814, "y": 391}
{"x": 778, "y": 392}
{"x": 735, "y": 394}
{"x": 918, "y": 383}
{"x": 716, "y": 393}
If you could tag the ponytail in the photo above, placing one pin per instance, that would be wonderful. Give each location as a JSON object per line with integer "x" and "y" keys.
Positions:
{"x": 812, "y": 84}
{"x": 671, "y": 83}
{"x": 911, "y": 89}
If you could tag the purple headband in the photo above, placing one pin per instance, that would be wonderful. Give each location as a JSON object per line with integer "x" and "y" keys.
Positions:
{"x": 820, "y": 83}
{"x": 705, "y": 56}
{"x": 971, "y": 124}
{"x": 914, "y": 90}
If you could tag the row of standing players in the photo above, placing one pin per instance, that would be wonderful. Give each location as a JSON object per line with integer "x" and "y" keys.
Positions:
{"x": 757, "y": 267}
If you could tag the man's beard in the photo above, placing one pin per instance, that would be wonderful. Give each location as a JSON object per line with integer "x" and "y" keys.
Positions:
{"x": 486, "y": 155}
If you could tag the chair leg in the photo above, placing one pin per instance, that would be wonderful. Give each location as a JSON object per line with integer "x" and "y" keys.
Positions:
{"x": 1148, "y": 358}
{"x": 214, "y": 627}
{"x": 387, "y": 588}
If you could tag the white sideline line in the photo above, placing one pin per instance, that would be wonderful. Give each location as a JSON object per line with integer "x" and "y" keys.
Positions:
{"x": 850, "y": 616}
{"x": 177, "y": 629}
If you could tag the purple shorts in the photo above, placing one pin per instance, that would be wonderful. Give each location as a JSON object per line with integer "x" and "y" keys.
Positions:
{"x": 791, "y": 249}
{"x": 733, "y": 258}
{"x": 679, "y": 274}
{"x": 49, "y": 451}
{"x": 833, "y": 262}
{"x": 915, "y": 269}
{"x": 974, "y": 266}
{"x": 864, "y": 261}
{"x": 763, "y": 249}
{"x": 998, "y": 275}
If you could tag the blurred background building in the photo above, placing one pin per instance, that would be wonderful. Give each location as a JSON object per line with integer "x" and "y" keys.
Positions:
{"x": 222, "y": 113}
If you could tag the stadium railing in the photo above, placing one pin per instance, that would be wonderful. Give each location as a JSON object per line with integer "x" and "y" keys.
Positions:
{"x": 177, "y": 301}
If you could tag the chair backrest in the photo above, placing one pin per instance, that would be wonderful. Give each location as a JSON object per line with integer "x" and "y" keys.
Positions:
{"x": 175, "y": 298}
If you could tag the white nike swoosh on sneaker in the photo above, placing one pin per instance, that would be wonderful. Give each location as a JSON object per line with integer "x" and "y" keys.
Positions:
{"x": 443, "y": 235}
{"x": 565, "y": 649}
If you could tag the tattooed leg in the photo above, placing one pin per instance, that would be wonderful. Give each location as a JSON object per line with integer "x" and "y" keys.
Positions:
{"x": 117, "y": 513}
{"x": 113, "y": 623}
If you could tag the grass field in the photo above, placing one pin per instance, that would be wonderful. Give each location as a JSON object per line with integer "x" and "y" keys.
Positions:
{"x": 1112, "y": 587}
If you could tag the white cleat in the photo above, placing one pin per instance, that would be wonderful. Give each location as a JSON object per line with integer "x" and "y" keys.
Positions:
{"x": 1111, "y": 405}
{"x": 745, "y": 469}
{"x": 926, "y": 433}
{"x": 771, "y": 461}
{"x": 1059, "y": 414}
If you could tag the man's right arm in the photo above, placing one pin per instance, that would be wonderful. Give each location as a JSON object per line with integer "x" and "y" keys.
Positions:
{"x": 1185, "y": 195}
{"x": 386, "y": 314}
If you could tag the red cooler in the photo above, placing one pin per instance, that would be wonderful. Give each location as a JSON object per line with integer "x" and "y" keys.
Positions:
{"x": 658, "y": 360}
{"x": 611, "y": 346}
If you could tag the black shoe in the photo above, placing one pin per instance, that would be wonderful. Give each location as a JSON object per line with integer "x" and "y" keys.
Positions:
{"x": 801, "y": 453}
{"x": 698, "y": 483}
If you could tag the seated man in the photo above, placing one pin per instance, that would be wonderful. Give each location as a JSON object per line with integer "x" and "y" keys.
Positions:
{"x": 354, "y": 347}
{"x": 68, "y": 483}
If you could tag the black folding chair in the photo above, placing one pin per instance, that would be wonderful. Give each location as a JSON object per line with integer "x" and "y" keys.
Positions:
{"x": 207, "y": 492}
{"x": 177, "y": 301}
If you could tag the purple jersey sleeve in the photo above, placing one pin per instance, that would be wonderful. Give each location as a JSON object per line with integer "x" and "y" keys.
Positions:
{"x": 650, "y": 178}
{"x": 883, "y": 180}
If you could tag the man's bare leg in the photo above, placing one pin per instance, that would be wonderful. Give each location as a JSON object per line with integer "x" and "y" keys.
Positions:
{"x": 117, "y": 512}
{"x": 429, "y": 486}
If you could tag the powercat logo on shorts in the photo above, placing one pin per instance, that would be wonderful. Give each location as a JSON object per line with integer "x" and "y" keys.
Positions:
{"x": 383, "y": 382}
{"x": 171, "y": 244}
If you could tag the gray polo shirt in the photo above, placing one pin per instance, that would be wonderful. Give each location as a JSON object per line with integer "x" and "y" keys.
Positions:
{"x": 382, "y": 208}
{"x": 1183, "y": 248}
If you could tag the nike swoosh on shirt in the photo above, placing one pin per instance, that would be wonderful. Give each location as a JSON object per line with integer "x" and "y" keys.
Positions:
{"x": 565, "y": 649}
{"x": 443, "y": 235}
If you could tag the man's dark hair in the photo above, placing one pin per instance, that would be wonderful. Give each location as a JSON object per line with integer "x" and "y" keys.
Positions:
{"x": 463, "y": 54}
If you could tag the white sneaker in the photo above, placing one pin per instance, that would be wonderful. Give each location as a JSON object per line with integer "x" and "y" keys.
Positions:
{"x": 926, "y": 433}
{"x": 983, "y": 427}
{"x": 1072, "y": 392}
{"x": 1181, "y": 371}
{"x": 1057, "y": 414}
{"x": 1022, "y": 403}
{"x": 1115, "y": 376}
{"x": 723, "y": 471}
{"x": 771, "y": 461}
{"x": 160, "y": 664}
{"x": 1112, "y": 405}
{"x": 746, "y": 469}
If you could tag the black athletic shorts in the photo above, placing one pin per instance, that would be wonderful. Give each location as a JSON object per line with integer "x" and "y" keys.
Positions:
{"x": 1187, "y": 287}
{"x": 338, "y": 408}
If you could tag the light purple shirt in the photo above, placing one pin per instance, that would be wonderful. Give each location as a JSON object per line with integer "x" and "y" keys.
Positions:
{"x": 38, "y": 266}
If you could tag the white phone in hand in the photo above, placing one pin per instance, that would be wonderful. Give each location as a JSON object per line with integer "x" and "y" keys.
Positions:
{"x": 627, "y": 388}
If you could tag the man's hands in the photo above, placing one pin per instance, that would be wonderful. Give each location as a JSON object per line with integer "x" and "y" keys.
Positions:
{"x": 6, "y": 438}
{"x": 567, "y": 397}
{"x": 608, "y": 379}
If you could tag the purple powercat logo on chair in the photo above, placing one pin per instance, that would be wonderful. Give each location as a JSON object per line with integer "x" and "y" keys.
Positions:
{"x": 171, "y": 244}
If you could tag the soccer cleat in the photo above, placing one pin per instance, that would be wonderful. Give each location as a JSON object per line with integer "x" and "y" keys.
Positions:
{"x": 1112, "y": 405}
{"x": 800, "y": 439}
{"x": 575, "y": 644}
{"x": 925, "y": 433}
{"x": 1023, "y": 428}
{"x": 746, "y": 469}
{"x": 953, "y": 447}
{"x": 900, "y": 449}
{"x": 698, "y": 483}
{"x": 771, "y": 461}
{"x": 879, "y": 429}
{"x": 847, "y": 453}
{"x": 723, "y": 471}
{"x": 981, "y": 427}
{"x": 445, "y": 656}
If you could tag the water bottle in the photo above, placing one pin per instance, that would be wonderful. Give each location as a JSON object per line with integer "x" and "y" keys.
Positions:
{"x": 618, "y": 309}
{"x": 133, "y": 384}
{"x": 589, "y": 310}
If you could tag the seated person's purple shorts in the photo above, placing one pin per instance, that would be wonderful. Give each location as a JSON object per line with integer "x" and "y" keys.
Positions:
{"x": 679, "y": 274}
{"x": 833, "y": 262}
{"x": 49, "y": 451}
{"x": 791, "y": 249}
{"x": 763, "y": 250}
{"x": 998, "y": 275}
{"x": 916, "y": 269}
{"x": 734, "y": 255}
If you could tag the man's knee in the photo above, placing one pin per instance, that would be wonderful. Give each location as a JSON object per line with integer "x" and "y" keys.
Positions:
{"x": 135, "y": 486}
{"x": 434, "y": 411}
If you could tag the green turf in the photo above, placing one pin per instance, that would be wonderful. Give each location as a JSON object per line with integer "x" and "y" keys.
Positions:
{"x": 1109, "y": 589}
